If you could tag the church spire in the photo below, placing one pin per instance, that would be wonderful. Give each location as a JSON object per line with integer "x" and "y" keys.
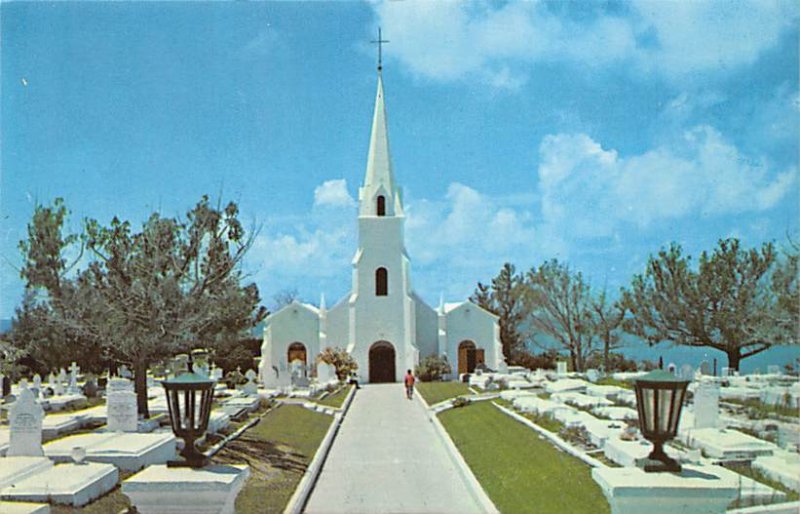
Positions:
{"x": 379, "y": 179}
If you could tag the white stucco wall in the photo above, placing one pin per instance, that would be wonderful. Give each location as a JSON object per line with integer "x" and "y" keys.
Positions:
{"x": 427, "y": 328}
{"x": 470, "y": 322}
{"x": 295, "y": 322}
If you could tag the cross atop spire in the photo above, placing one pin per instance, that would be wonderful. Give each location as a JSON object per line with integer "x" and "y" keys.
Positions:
{"x": 379, "y": 42}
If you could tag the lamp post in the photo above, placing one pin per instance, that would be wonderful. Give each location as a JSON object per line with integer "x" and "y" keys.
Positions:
{"x": 659, "y": 400}
{"x": 189, "y": 401}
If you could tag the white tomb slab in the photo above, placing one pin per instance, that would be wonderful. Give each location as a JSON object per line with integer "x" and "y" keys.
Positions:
{"x": 601, "y": 430}
{"x": 604, "y": 391}
{"x": 561, "y": 368}
{"x": 750, "y": 492}
{"x": 128, "y": 452}
{"x": 24, "y": 508}
{"x": 68, "y": 484}
{"x": 62, "y": 401}
{"x": 55, "y": 424}
{"x": 14, "y": 469}
{"x": 626, "y": 453}
{"x": 580, "y": 399}
{"x": 217, "y": 421}
{"x": 618, "y": 413}
{"x": 208, "y": 490}
{"x": 693, "y": 491}
{"x": 511, "y": 394}
{"x": 783, "y": 467}
{"x": 739, "y": 393}
{"x": 566, "y": 384}
{"x": 727, "y": 444}
{"x": 5, "y": 436}
{"x": 246, "y": 402}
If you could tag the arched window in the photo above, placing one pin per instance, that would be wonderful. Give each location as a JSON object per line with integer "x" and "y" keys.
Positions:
{"x": 381, "y": 205}
{"x": 381, "y": 282}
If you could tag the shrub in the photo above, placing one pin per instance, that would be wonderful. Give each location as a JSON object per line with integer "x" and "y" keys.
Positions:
{"x": 432, "y": 368}
{"x": 461, "y": 401}
{"x": 344, "y": 363}
{"x": 545, "y": 360}
{"x": 616, "y": 362}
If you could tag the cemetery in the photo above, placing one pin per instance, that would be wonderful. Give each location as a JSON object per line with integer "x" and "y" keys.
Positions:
{"x": 143, "y": 371}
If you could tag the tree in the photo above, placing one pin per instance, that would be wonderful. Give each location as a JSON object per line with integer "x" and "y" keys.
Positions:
{"x": 144, "y": 295}
{"x": 506, "y": 298}
{"x": 562, "y": 309}
{"x": 786, "y": 307}
{"x": 339, "y": 359}
{"x": 607, "y": 318}
{"x": 432, "y": 368}
{"x": 727, "y": 303}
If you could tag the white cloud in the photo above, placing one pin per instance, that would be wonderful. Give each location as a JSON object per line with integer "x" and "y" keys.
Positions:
{"x": 496, "y": 43}
{"x": 588, "y": 191}
{"x": 333, "y": 193}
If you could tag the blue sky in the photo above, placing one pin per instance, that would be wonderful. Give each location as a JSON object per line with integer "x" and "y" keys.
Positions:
{"x": 591, "y": 132}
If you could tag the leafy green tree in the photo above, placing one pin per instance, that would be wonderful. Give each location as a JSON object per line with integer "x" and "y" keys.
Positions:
{"x": 506, "y": 298}
{"x": 147, "y": 295}
{"x": 561, "y": 309}
{"x": 728, "y": 302}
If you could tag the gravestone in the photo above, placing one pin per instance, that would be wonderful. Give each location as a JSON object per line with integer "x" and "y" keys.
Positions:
{"x": 726, "y": 372}
{"x": 706, "y": 405}
{"x": 124, "y": 372}
{"x": 561, "y": 368}
{"x": 325, "y": 373}
{"x": 60, "y": 380}
{"x": 250, "y": 388}
{"x": 705, "y": 368}
{"x": 51, "y": 380}
{"x": 2, "y": 385}
{"x": 593, "y": 375}
{"x": 73, "y": 379}
{"x": 672, "y": 368}
{"x": 121, "y": 409}
{"x": 202, "y": 369}
{"x": 37, "y": 386}
{"x": 25, "y": 425}
{"x": 687, "y": 372}
{"x": 216, "y": 374}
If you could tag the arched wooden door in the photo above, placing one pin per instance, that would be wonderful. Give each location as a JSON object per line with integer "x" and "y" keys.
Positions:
{"x": 381, "y": 362}
{"x": 469, "y": 357}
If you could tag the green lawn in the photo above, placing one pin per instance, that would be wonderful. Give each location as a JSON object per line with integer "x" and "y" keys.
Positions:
{"x": 435, "y": 392}
{"x": 519, "y": 471}
{"x": 336, "y": 399}
{"x": 278, "y": 450}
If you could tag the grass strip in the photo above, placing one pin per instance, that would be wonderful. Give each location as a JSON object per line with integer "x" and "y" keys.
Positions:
{"x": 519, "y": 470}
{"x": 435, "y": 392}
{"x": 336, "y": 399}
{"x": 278, "y": 451}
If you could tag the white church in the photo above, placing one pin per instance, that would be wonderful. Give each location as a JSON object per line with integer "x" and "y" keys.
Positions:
{"x": 382, "y": 322}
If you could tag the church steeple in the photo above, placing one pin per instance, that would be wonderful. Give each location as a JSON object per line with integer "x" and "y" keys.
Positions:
{"x": 379, "y": 196}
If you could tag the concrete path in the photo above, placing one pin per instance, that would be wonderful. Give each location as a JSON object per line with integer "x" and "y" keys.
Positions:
{"x": 388, "y": 458}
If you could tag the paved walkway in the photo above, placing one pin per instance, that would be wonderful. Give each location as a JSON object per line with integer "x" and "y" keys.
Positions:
{"x": 388, "y": 458}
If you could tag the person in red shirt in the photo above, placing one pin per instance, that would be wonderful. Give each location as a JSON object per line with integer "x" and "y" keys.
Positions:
{"x": 409, "y": 382}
